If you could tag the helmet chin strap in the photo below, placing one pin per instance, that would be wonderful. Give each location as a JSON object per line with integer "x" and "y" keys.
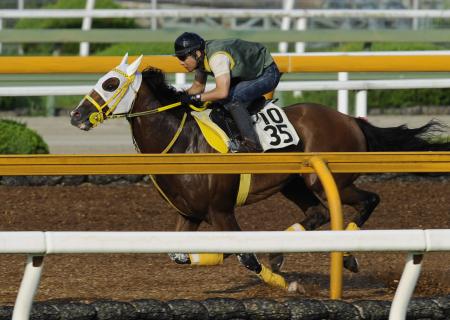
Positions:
{"x": 200, "y": 59}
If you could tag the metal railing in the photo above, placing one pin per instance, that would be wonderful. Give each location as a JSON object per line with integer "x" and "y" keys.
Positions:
{"x": 421, "y": 61}
{"x": 222, "y": 13}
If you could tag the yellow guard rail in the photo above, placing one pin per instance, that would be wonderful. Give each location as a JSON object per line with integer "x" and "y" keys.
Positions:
{"x": 286, "y": 63}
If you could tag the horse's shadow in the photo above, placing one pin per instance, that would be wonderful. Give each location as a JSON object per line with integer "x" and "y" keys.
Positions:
{"x": 313, "y": 282}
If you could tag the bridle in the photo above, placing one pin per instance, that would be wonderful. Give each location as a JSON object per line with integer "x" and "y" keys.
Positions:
{"x": 105, "y": 111}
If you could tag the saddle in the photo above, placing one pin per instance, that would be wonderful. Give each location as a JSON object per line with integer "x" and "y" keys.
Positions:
{"x": 271, "y": 124}
{"x": 221, "y": 117}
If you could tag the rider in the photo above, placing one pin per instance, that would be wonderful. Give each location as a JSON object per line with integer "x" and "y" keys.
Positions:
{"x": 243, "y": 71}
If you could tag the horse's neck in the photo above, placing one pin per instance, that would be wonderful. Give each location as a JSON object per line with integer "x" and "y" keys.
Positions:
{"x": 153, "y": 133}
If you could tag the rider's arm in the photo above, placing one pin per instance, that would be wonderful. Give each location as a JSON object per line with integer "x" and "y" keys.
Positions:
{"x": 220, "y": 91}
{"x": 220, "y": 66}
{"x": 198, "y": 86}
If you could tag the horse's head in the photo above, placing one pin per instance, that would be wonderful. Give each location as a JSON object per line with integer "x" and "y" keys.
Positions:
{"x": 113, "y": 94}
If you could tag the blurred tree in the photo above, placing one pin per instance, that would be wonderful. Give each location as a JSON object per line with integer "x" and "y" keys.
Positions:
{"x": 71, "y": 48}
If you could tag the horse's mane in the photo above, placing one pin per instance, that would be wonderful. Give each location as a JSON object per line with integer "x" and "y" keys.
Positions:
{"x": 155, "y": 79}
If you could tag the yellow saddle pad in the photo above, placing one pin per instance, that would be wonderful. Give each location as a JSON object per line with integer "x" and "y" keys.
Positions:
{"x": 215, "y": 136}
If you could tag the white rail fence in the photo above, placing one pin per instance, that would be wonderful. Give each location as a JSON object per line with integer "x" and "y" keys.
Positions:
{"x": 222, "y": 13}
{"x": 286, "y": 16}
{"x": 37, "y": 244}
{"x": 361, "y": 86}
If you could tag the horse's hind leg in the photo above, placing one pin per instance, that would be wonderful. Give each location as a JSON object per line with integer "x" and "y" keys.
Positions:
{"x": 364, "y": 202}
{"x": 316, "y": 214}
{"x": 297, "y": 191}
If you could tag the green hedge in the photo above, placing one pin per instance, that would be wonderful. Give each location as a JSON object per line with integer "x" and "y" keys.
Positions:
{"x": 16, "y": 138}
{"x": 29, "y": 106}
{"x": 380, "y": 99}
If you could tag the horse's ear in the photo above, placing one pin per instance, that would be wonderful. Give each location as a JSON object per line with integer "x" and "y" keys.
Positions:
{"x": 124, "y": 59}
{"x": 132, "y": 68}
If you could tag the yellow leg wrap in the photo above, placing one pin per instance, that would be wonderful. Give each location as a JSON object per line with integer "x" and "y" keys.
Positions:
{"x": 272, "y": 279}
{"x": 296, "y": 227}
{"x": 206, "y": 259}
{"x": 352, "y": 227}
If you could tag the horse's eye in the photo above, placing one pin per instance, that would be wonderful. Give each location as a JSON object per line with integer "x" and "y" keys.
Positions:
{"x": 111, "y": 84}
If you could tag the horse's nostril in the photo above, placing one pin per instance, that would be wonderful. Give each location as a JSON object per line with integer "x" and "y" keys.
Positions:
{"x": 75, "y": 114}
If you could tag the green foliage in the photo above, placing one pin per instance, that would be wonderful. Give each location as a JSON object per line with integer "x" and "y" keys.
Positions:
{"x": 30, "y": 106}
{"x": 408, "y": 98}
{"x": 382, "y": 99}
{"x": 16, "y": 138}
{"x": 67, "y": 102}
{"x": 28, "y": 4}
{"x": 388, "y": 46}
{"x": 135, "y": 49}
{"x": 76, "y": 22}
{"x": 327, "y": 98}
{"x": 71, "y": 48}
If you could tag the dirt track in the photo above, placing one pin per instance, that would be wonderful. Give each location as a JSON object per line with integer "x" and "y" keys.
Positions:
{"x": 423, "y": 204}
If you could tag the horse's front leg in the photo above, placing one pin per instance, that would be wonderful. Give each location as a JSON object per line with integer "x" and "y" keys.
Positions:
{"x": 226, "y": 221}
{"x": 206, "y": 259}
{"x": 184, "y": 224}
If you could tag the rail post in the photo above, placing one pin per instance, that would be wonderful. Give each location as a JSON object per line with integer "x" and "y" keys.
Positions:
{"x": 337, "y": 222}
{"x": 28, "y": 287}
{"x": 406, "y": 286}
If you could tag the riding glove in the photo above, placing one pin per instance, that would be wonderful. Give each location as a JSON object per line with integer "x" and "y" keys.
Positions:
{"x": 187, "y": 100}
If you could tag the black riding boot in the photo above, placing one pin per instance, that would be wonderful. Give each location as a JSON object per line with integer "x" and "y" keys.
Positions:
{"x": 250, "y": 141}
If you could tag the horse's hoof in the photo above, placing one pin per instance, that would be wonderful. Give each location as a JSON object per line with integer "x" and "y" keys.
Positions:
{"x": 295, "y": 287}
{"x": 276, "y": 261}
{"x": 351, "y": 263}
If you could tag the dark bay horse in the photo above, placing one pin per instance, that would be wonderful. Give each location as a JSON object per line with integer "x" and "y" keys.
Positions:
{"x": 211, "y": 198}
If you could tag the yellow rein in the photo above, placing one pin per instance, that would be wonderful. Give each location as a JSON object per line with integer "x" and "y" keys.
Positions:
{"x": 160, "y": 109}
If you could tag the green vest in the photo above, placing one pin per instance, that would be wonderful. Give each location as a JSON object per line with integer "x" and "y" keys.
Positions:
{"x": 248, "y": 59}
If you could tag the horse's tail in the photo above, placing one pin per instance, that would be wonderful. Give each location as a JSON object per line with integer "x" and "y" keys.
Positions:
{"x": 401, "y": 138}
